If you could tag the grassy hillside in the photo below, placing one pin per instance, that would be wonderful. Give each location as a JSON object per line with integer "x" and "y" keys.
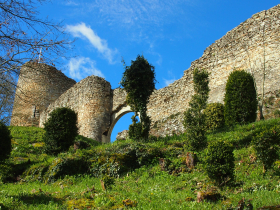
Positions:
{"x": 135, "y": 175}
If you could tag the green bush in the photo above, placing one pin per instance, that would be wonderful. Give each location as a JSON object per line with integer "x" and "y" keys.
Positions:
{"x": 5, "y": 141}
{"x": 214, "y": 116}
{"x": 267, "y": 145}
{"x": 61, "y": 130}
{"x": 240, "y": 99}
{"x": 220, "y": 162}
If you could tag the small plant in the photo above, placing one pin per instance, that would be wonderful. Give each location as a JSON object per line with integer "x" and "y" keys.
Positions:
{"x": 214, "y": 116}
{"x": 5, "y": 141}
{"x": 194, "y": 119}
{"x": 276, "y": 113}
{"x": 266, "y": 145}
{"x": 220, "y": 162}
{"x": 107, "y": 182}
{"x": 240, "y": 99}
{"x": 61, "y": 130}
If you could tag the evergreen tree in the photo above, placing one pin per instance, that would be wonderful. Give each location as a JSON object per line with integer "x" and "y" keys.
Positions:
{"x": 240, "y": 99}
{"x": 194, "y": 120}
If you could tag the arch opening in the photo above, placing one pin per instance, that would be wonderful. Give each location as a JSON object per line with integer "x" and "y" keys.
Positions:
{"x": 115, "y": 117}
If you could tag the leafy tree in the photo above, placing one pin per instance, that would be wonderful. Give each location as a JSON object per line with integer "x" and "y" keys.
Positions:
{"x": 5, "y": 141}
{"x": 194, "y": 120}
{"x": 25, "y": 37}
{"x": 240, "y": 99}
{"x": 61, "y": 130}
{"x": 139, "y": 82}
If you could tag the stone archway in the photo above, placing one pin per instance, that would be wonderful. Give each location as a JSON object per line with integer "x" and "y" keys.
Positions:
{"x": 115, "y": 116}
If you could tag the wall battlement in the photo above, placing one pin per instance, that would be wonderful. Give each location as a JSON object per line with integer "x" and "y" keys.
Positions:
{"x": 245, "y": 47}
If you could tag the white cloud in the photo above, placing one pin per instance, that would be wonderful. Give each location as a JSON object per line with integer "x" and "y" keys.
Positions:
{"x": 130, "y": 12}
{"x": 168, "y": 81}
{"x": 71, "y": 3}
{"x": 81, "y": 67}
{"x": 83, "y": 31}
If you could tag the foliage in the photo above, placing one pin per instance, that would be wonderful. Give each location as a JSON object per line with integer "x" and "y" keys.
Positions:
{"x": 267, "y": 146}
{"x": 214, "y": 116}
{"x": 139, "y": 82}
{"x": 194, "y": 120}
{"x": 144, "y": 183}
{"x": 60, "y": 130}
{"x": 219, "y": 163}
{"x": 6, "y": 144}
{"x": 240, "y": 99}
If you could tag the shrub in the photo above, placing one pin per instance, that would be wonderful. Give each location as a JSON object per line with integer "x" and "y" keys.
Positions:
{"x": 194, "y": 119}
{"x": 266, "y": 145}
{"x": 6, "y": 142}
{"x": 240, "y": 99}
{"x": 220, "y": 162}
{"x": 214, "y": 116}
{"x": 61, "y": 130}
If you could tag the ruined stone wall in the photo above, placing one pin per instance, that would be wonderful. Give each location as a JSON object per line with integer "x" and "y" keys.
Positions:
{"x": 91, "y": 99}
{"x": 251, "y": 46}
{"x": 245, "y": 47}
{"x": 38, "y": 86}
{"x": 119, "y": 97}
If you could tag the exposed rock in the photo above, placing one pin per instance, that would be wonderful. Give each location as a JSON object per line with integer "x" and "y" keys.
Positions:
{"x": 122, "y": 135}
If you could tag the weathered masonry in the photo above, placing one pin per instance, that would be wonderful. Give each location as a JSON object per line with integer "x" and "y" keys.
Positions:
{"x": 253, "y": 46}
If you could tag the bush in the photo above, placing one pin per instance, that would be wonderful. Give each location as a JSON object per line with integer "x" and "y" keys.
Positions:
{"x": 214, "y": 116}
{"x": 266, "y": 145}
{"x": 220, "y": 162}
{"x": 61, "y": 130}
{"x": 240, "y": 99}
{"x": 6, "y": 142}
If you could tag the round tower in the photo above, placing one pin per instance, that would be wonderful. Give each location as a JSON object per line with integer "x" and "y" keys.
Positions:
{"x": 38, "y": 86}
{"x": 91, "y": 99}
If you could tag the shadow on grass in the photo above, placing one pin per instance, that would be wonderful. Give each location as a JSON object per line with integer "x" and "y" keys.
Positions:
{"x": 40, "y": 198}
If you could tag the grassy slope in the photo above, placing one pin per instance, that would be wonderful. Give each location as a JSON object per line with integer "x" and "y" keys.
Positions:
{"x": 150, "y": 187}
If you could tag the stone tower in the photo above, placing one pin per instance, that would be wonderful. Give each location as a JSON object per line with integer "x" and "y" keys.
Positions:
{"x": 38, "y": 86}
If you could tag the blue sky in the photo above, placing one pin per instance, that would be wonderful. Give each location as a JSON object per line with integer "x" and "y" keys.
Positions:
{"x": 169, "y": 33}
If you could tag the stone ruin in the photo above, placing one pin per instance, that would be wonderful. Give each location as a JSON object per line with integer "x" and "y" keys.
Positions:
{"x": 250, "y": 46}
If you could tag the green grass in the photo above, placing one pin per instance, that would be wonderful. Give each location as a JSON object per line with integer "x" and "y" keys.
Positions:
{"x": 145, "y": 185}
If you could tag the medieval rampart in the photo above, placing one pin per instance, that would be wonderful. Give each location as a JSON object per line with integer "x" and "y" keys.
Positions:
{"x": 253, "y": 46}
{"x": 245, "y": 47}
{"x": 38, "y": 86}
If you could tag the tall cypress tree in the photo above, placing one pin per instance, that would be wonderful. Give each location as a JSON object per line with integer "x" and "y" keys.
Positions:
{"x": 194, "y": 120}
